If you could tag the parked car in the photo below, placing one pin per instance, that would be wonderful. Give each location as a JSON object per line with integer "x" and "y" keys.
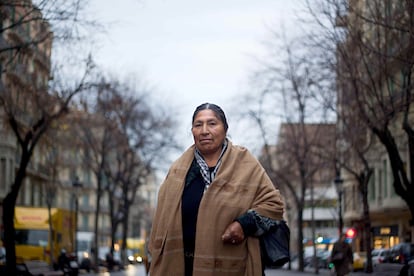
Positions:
{"x": 380, "y": 256}
{"x": 410, "y": 267}
{"x": 360, "y": 259}
{"x": 2, "y": 260}
{"x": 322, "y": 256}
{"x": 2, "y": 256}
{"x": 108, "y": 260}
{"x": 402, "y": 253}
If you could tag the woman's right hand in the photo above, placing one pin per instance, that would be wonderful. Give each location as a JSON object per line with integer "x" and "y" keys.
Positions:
{"x": 233, "y": 234}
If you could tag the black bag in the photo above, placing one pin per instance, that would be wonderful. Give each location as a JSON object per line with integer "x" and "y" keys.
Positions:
{"x": 274, "y": 245}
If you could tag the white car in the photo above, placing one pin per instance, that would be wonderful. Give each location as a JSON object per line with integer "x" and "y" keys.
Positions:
{"x": 2, "y": 256}
{"x": 380, "y": 256}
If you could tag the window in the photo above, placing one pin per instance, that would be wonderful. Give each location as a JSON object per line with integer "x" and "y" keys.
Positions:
{"x": 385, "y": 178}
{"x": 355, "y": 196}
{"x": 371, "y": 188}
{"x": 85, "y": 200}
{"x": 10, "y": 172}
{"x": 3, "y": 173}
{"x": 391, "y": 86}
{"x": 32, "y": 237}
{"x": 380, "y": 186}
{"x": 85, "y": 222}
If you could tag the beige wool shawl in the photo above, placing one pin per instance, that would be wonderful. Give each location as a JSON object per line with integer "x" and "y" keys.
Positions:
{"x": 240, "y": 184}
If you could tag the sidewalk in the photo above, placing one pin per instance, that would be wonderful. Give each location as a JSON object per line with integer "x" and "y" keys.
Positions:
{"x": 380, "y": 270}
{"x": 283, "y": 271}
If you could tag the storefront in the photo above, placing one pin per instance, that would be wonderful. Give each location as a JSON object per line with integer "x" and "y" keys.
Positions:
{"x": 385, "y": 236}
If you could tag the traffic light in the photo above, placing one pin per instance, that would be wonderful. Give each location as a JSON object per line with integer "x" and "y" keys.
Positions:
{"x": 350, "y": 233}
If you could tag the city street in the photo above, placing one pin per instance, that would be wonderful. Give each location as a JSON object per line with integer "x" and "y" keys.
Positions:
{"x": 139, "y": 270}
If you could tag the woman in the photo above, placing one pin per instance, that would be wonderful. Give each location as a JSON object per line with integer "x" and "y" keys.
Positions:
{"x": 214, "y": 202}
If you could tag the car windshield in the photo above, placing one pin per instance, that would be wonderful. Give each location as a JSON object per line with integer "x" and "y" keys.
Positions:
{"x": 32, "y": 237}
{"x": 383, "y": 253}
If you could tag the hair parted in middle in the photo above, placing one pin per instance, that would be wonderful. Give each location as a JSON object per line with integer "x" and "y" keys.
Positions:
{"x": 216, "y": 109}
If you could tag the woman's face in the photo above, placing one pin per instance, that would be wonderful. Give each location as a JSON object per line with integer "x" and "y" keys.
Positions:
{"x": 208, "y": 132}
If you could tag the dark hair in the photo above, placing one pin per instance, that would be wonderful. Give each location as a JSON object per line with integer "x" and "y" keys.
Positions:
{"x": 216, "y": 109}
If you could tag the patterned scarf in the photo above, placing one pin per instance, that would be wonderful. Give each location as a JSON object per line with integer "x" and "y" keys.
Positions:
{"x": 204, "y": 169}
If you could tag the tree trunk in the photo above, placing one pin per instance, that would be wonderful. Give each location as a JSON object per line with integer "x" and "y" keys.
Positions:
{"x": 97, "y": 212}
{"x": 301, "y": 265}
{"x": 363, "y": 182}
{"x": 125, "y": 234}
{"x": 51, "y": 241}
{"x": 402, "y": 185}
{"x": 9, "y": 203}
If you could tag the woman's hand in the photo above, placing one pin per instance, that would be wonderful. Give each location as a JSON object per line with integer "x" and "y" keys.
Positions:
{"x": 233, "y": 234}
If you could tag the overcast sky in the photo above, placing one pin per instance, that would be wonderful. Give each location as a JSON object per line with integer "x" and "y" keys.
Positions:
{"x": 192, "y": 51}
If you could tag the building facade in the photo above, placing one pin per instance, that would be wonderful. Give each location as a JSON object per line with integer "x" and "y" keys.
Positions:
{"x": 58, "y": 173}
{"x": 374, "y": 70}
{"x": 24, "y": 68}
{"x": 314, "y": 189}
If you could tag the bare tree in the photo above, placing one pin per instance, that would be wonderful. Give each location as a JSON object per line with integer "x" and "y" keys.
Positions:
{"x": 52, "y": 165}
{"x": 355, "y": 155}
{"x": 96, "y": 137}
{"x": 295, "y": 89}
{"x": 125, "y": 140}
{"x": 46, "y": 110}
{"x": 31, "y": 101}
{"x": 368, "y": 45}
{"x": 354, "y": 145}
{"x": 374, "y": 45}
{"x": 140, "y": 147}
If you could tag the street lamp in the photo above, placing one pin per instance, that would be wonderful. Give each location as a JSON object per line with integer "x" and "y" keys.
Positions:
{"x": 339, "y": 188}
{"x": 76, "y": 185}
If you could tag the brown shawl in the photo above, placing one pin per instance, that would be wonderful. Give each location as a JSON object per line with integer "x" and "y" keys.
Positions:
{"x": 240, "y": 184}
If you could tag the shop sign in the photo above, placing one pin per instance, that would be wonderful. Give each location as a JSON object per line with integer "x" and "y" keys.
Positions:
{"x": 390, "y": 230}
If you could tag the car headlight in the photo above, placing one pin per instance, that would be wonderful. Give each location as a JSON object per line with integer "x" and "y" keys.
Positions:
{"x": 131, "y": 258}
{"x": 139, "y": 259}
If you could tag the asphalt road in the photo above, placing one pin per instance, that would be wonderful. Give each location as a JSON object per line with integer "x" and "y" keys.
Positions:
{"x": 382, "y": 270}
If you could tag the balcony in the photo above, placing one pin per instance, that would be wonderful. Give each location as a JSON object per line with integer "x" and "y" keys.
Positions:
{"x": 85, "y": 208}
{"x": 43, "y": 169}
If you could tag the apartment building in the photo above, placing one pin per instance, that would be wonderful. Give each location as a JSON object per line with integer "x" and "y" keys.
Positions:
{"x": 57, "y": 172}
{"x": 373, "y": 82}
{"x": 24, "y": 69}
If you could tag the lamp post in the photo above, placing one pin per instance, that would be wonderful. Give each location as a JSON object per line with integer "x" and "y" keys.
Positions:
{"x": 76, "y": 185}
{"x": 339, "y": 188}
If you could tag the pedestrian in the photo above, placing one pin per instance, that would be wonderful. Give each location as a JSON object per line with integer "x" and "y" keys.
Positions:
{"x": 63, "y": 260}
{"x": 342, "y": 256}
{"x": 214, "y": 202}
{"x": 110, "y": 263}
